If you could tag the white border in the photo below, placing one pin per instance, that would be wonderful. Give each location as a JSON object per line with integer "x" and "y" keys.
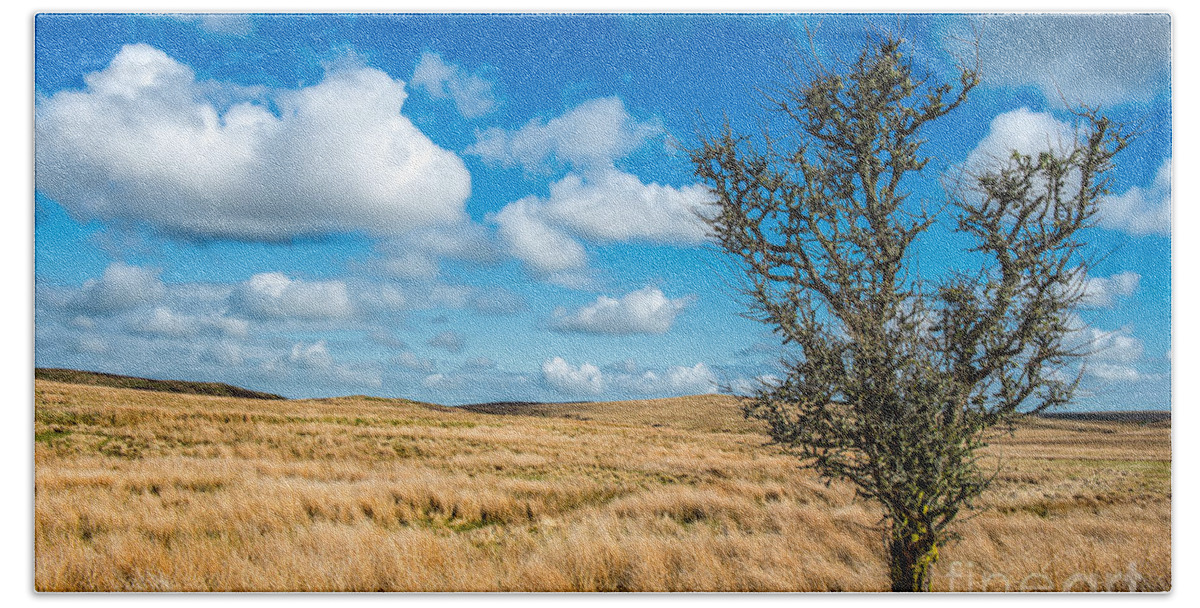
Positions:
{"x": 16, "y": 33}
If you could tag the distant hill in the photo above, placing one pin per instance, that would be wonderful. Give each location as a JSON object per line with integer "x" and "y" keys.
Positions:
{"x": 215, "y": 389}
{"x": 1138, "y": 417}
{"x": 721, "y": 413}
{"x": 714, "y": 413}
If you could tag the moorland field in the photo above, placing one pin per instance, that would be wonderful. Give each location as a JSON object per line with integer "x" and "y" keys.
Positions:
{"x": 154, "y": 491}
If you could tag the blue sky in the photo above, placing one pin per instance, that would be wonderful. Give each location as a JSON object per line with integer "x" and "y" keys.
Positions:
{"x": 477, "y": 208}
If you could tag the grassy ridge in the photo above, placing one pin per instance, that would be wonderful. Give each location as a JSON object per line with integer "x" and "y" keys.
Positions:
{"x": 721, "y": 413}
{"x": 215, "y": 389}
{"x": 713, "y": 413}
{"x": 138, "y": 490}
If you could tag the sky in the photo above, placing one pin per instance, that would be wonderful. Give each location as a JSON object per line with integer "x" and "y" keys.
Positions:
{"x": 471, "y": 208}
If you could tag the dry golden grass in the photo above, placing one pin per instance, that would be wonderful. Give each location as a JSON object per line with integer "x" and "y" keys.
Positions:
{"x": 150, "y": 491}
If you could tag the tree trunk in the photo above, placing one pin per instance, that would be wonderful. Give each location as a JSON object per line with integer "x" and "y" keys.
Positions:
{"x": 911, "y": 560}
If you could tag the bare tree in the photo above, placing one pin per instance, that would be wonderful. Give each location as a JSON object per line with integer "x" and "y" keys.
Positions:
{"x": 895, "y": 379}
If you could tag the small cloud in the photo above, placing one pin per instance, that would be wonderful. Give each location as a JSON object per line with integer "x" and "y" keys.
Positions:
{"x": 472, "y": 95}
{"x": 441, "y": 382}
{"x": 121, "y": 287}
{"x": 313, "y": 356}
{"x": 1119, "y": 346}
{"x": 674, "y": 380}
{"x": 311, "y": 365}
{"x": 609, "y": 205}
{"x": 565, "y": 378}
{"x": 645, "y": 311}
{"x": 162, "y": 322}
{"x": 92, "y": 345}
{"x": 751, "y": 386}
{"x": 448, "y": 296}
{"x": 448, "y": 341}
{"x": 227, "y": 354}
{"x": 1114, "y": 372}
{"x": 165, "y": 323}
{"x": 692, "y": 380}
{"x": 544, "y": 249}
{"x": 272, "y": 295}
{"x": 1141, "y": 210}
{"x": 1102, "y": 292}
{"x": 601, "y": 206}
{"x": 594, "y": 201}
{"x": 593, "y": 134}
{"x": 418, "y": 254}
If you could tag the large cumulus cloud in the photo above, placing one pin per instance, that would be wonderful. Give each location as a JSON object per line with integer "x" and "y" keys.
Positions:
{"x": 145, "y": 143}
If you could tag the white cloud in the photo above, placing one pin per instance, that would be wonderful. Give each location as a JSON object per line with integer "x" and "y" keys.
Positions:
{"x": 92, "y": 345}
{"x": 563, "y": 377}
{"x": 543, "y": 248}
{"x": 750, "y": 386}
{"x": 691, "y": 380}
{"x": 272, "y": 295}
{"x": 626, "y": 366}
{"x": 593, "y": 134}
{"x": 229, "y": 326}
{"x": 227, "y": 354}
{"x": 143, "y": 144}
{"x": 417, "y": 255}
{"x": 594, "y": 201}
{"x": 472, "y": 95}
{"x": 1090, "y": 59}
{"x": 314, "y": 356}
{"x": 604, "y": 205}
{"x": 1141, "y": 210}
{"x": 1113, "y": 372}
{"x": 1021, "y": 130}
{"x": 624, "y": 376}
{"x": 1102, "y": 292}
{"x": 121, "y": 287}
{"x": 1118, "y": 346}
{"x": 447, "y": 296}
{"x": 313, "y": 365}
{"x": 441, "y": 382}
{"x": 164, "y": 322}
{"x": 611, "y": 205}
{"x": 381, "y": 298}
{"x": 646, "y": 311}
